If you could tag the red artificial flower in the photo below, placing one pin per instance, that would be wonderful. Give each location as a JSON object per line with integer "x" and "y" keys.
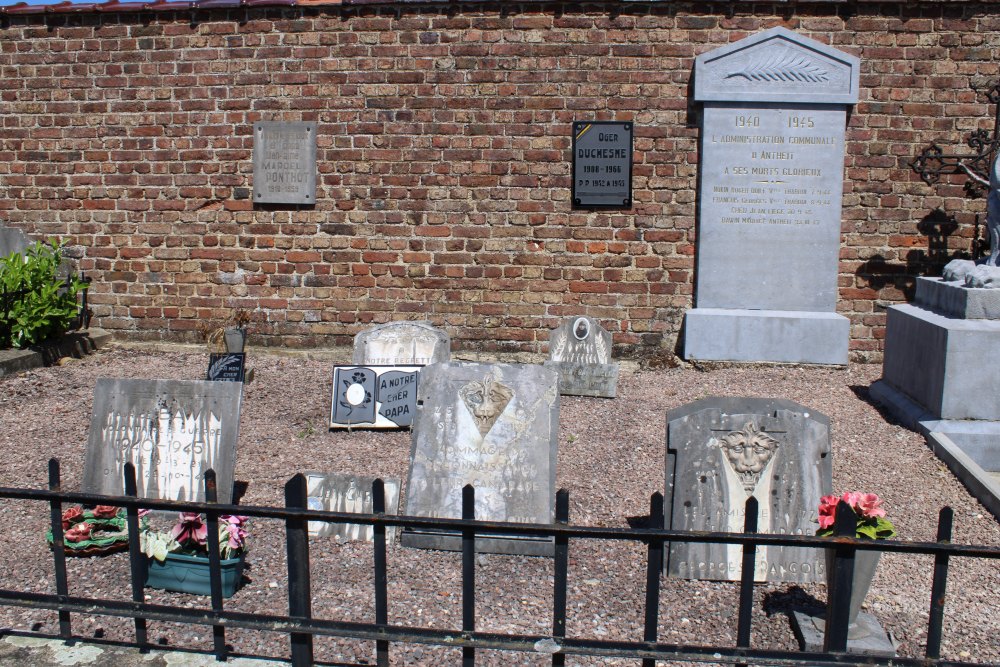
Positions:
{"x": 105, "y": 511}
{"x": 72, "y": 515}
{"x": 79, "y": 532}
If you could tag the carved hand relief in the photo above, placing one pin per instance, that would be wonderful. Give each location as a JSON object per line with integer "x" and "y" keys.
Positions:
{"x": 784, "y": 65}
{"x": 486, "y": 400}
{"x": 748, "y": 451}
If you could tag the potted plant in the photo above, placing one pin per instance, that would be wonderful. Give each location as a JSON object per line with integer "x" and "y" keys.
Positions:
{"x": 178, "y": 558}
{"x": 871, "y": 525}
{"x": 93, "y": 532}
{"x": 231, "y": 336}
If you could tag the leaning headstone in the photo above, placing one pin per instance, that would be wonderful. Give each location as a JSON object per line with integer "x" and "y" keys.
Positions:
{"x": 721, "y": 451}
{"x": 171, "y": 430}
{"x": 374, "y": 396}
{"x": 772, "y": 168}
{"x": 347, "y": 493}
{"x": 494, "y": 426}
{"x": 402, "y": 344}
{"x": 580, "y": 351}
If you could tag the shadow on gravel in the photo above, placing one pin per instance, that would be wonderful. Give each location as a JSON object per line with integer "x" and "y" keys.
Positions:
{"x": 792, "y": 600}
{"x": 863, "y": 393}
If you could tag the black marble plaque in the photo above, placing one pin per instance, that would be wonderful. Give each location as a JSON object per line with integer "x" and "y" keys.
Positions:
{"x": 373, "y": 396}
{"x": 284, "y": 163}
{"x": 226, "y": 366}
{"x": 602, "y": 164}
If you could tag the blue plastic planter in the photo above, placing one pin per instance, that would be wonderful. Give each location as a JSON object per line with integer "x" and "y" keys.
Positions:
{"x": 190, "y": 574}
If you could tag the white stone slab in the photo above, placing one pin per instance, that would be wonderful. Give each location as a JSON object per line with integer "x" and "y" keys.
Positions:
{"x": 402, "y": 344}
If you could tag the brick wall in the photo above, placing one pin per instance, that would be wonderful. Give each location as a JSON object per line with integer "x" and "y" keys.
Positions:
{"x": 443, "y": 161}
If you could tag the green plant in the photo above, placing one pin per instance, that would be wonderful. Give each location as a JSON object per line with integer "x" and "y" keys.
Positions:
{"x": 37, "y": 304}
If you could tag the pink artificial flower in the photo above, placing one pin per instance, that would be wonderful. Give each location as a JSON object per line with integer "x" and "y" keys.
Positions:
{"x": 143, "y": 512}
{"x": 852, "y": 498}
{"x": 869, "y": 506}
{"x": 190, "y": 528}
{"x": 233, "y": 527}
{"x": 827, "y": 511}
{"x": 79, "y": 532}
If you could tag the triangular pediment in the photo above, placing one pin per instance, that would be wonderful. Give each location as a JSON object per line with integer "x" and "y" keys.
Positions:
{"x": 777, "y": 65}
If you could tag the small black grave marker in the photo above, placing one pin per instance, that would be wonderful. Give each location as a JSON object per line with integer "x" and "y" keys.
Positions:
{"x": 602, "y": 164}
{"x": 227, "y": 366}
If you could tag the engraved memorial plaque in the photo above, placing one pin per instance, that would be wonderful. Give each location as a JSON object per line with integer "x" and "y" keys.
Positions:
{"x": 284, "y": 163}
{"x": 374, "y": 396}
{"x": 494, "y": 426}
{"x": 721, "y": 451}
{"x": 402, "y": 344}
{"x": 171, "y": 430}
{"x": 226, "y": 366}
{"x": 602, "y": 164}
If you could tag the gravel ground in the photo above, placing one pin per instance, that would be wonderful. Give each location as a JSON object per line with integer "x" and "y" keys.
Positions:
{"x": 611, "y": 456}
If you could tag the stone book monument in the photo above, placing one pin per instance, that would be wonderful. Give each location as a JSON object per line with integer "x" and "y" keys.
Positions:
{"x": 496, "y": 427}
{"x": 772, "y": 167}
{"x": 580, "y": 351}
{"x": 721, "y": 451}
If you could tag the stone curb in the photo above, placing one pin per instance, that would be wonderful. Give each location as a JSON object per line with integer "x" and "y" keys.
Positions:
{"x": 74, "y": 344}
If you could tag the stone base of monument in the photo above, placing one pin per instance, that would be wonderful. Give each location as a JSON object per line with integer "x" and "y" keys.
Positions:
{"x": 805, "y": 337}
{"x": 867, "y": 638}
{"x": 451, "y": 541}
{"x": 582, "y": 379}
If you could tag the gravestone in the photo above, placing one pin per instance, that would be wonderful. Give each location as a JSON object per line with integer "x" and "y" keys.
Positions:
{"x": 772, "y": 167}
{"x": 284, "y": 162}
{"x": 494, "y": 426}
{"x": 580, "y": 351}
{"x": 602, "y": 164}
{"x": 720, "y": 451}
{"x": 347, "y": 493}
{"x": 171, "y": 430}
{"x": 374, "y": 396}
{"x": 12, "y": 240}
{"x": 402, "y": 344}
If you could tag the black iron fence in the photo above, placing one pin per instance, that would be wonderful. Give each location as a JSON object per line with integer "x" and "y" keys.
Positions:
{"x": 301, "y": 626}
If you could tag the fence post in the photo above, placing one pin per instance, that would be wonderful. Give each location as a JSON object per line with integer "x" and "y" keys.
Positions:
{"x": 654, "y": 566}
{"x": 468, "y": 572}
{"x": 939, "y": 585}
{"x": 840, "y": 581}
{"x": 381, "y": 573}
{"x": 299, "y": 588}
{"x": 136, "y": 559}
{"x": 748, "y": 572}
{"x": 59, "y": 548}
{"x": 561, "y": 566}
{"x": 214, "y": 567}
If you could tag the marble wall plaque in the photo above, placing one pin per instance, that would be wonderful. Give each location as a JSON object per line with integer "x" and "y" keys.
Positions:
{"x": 494, "y": 426}
{"x": 284, "y": 163}
{"x": 171, "y": 430}
{"x": 580, "y": 351}
{"x": 602, "y": 164}
{"x": 374, "y": 396}
{"x": 720, "y": 451}
{"x": 347, "y": 493}
{"x": 402, "y": 344}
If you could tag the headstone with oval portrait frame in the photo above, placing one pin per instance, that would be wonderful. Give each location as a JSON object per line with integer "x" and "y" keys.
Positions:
{"x": 580, "y": 351}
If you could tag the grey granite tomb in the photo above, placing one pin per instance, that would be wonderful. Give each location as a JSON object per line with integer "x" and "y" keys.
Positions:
{"x": 720, "y": 451}
{"x": 937, "y": 378}
{"x": 402, "y": 344}
{"x": 171, "y": 430}
{"x": 347, "y": 493}
{"x": 772, "y": 166}
{"x": 494, "y": 426}
{"x": 580, "y": 351}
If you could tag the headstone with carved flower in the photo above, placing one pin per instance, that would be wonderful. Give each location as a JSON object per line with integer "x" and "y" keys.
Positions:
{"x": 580, "y": 351}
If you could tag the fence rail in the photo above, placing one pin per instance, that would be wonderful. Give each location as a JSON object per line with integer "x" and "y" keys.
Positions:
{"x": 301, "y": 627}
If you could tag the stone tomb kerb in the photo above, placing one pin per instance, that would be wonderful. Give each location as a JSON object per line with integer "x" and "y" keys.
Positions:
{"x": 772, "y": 166}
{"x": 721, "y": 451}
